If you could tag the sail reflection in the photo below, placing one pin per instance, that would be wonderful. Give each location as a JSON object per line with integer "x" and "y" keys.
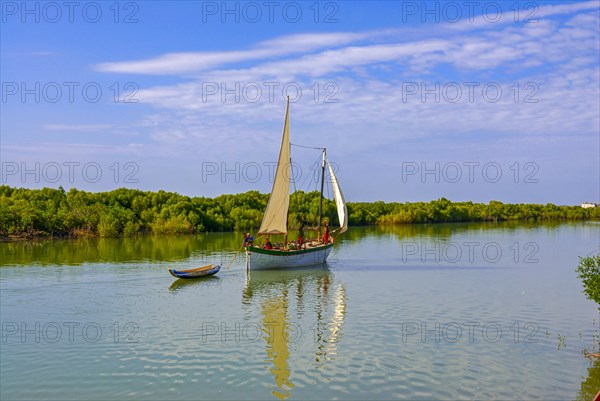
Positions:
{"x": 328, "y": 334}
{"x": 317, "y": 305}
{"x": 275, "y": 333}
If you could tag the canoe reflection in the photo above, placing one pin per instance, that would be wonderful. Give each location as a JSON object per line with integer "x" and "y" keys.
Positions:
{"x": 181, "y": 283}
{"x": 298, "y": 305}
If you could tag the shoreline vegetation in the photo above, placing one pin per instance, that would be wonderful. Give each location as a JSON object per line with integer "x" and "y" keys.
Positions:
{"x": 36, "y": 213}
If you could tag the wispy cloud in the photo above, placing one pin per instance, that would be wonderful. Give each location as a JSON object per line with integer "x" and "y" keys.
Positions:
{"x": 53, "y": 150}
{"x": 195, "y": 62}
{"x": 76, "y": 127}
{"x": 39, "y": 53}
{"x": 187, "y": 62}
{"x": 531, "y": 13}
{"x": 547, "y": 72}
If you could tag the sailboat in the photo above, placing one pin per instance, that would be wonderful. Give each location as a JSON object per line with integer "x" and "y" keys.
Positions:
{"x": 275, "y": 220}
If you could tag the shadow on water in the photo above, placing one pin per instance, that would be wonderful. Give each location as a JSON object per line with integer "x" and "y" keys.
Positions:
{"x": 311, "y": 295}
{"x": 182, "y": 284}
{"x": 262, "y": 282}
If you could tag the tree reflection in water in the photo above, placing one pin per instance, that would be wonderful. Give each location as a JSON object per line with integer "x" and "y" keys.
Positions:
{"x": 590, "y": 386}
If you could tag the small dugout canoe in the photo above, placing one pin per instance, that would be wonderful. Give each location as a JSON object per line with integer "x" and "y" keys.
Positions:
{"x": 198, "y": 272}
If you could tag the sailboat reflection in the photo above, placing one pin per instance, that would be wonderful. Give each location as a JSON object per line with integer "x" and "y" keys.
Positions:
{"x": 275, "y": 334}
{"x": 318, "y": 306}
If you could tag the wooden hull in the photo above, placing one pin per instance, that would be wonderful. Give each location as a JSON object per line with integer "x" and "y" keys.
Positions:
{"x": 264, "y": 259}
{"x": 203, "y": 271}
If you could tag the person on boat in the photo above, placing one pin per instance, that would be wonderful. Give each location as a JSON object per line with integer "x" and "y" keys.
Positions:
{"x": 326, "y": 233}
{"x": 268, "y": 244}
{"x": 248, "y": 240}
{"x": 301, "y": 234}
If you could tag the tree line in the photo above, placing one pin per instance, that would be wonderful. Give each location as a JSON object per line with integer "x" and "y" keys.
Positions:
{"x": 129, "y": 212}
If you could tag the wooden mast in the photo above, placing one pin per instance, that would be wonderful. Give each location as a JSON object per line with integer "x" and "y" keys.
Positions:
{"x": 322, "y": 184}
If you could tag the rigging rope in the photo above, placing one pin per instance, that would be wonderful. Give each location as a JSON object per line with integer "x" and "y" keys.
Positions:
{"x": 307, "y": 147}
{"x": 292, "y": 177}
{"x": 234, "y": 257}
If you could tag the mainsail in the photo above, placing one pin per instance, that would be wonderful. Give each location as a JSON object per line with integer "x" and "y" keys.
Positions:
{"x": 340, "y": 203}
{"x": 275, "y": 218}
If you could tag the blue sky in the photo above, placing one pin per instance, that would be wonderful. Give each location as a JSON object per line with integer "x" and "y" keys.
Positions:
{"x": 413, "y": 100}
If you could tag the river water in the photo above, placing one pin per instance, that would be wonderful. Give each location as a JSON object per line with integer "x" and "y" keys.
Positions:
{"x": 453, "y": 311}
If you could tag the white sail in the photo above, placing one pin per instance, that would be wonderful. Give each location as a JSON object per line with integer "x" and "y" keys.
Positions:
{"x": 275, "y": 218}
{"x": 340, "y": 202}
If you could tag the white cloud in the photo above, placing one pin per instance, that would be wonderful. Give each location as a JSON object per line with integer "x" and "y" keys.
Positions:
{"x": 187, "y": 62}
{"x": 553, "y": 60}
{"x": 492, "y": 18}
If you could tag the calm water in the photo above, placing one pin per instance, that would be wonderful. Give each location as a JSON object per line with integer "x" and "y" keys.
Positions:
{"x": 411, "y": 312}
